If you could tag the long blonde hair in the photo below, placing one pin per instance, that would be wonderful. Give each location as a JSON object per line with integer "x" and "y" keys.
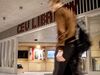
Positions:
{"x": 54, "y": 1}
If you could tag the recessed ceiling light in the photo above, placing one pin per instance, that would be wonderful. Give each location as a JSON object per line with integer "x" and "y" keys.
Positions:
{"x": 35, "y": 39}
{"x": 4, "y": 18}
{"x": 41, "y": 3}
{"x": 21, "y": 7}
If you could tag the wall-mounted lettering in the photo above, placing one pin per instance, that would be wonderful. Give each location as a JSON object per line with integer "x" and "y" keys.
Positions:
{"x": 23, "y": 27}
{"x": 78, "y": 6}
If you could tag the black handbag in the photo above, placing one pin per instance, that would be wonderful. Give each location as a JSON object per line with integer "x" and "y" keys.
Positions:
{"x": 83, "y": 42}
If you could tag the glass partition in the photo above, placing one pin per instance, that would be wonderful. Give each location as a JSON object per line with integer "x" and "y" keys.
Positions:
{"x": 94, "y": 29}
{"x": 95, "y": 54}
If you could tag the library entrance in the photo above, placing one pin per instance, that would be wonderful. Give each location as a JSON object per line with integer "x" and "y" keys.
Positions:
{"x": 36, "y": 51}
{"x": 39, "y": 48}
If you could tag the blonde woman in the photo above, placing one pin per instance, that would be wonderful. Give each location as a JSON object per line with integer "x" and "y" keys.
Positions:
{"x": 65, "y": 59}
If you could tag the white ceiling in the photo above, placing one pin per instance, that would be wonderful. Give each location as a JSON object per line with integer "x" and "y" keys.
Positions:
{"x": 14, "y": 15}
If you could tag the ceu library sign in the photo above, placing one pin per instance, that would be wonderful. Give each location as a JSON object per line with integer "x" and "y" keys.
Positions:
{"x": 41, "y": 20}
{"x": 78, "y": 6}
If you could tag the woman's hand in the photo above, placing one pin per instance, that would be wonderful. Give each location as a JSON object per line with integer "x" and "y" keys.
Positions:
{"x": 59, "y": 56}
